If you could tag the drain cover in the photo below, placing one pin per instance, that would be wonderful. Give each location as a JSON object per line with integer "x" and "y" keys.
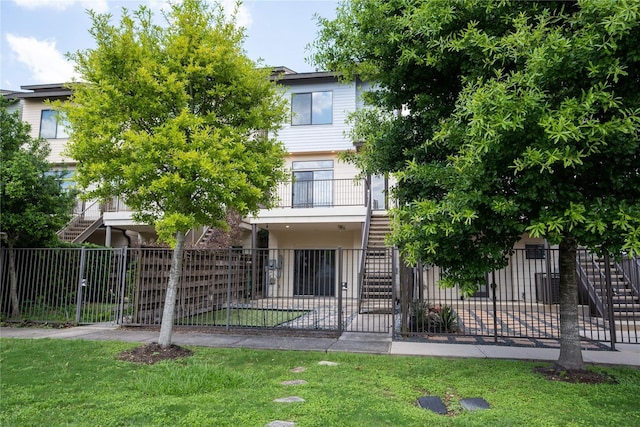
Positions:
{"x": 474, "y": 404}
{"x": 432, "y": 403}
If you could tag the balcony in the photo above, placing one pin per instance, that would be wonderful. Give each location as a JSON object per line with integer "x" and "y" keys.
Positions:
{"x": 324, "y": 200}
{"x": 321, "y": 193}
{"x": 317, "y": 200}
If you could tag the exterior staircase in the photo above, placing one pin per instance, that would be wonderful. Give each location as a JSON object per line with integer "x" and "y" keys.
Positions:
{"x": 376, "y": 292}
{"x": 82, "y": 225}
{"x": 625, "y": 301}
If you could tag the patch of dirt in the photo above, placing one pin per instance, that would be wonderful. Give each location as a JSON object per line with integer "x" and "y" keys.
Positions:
{"x": 30, "y": 324}
{"x": 575, "y": 376}
{"x": 153, "y": 353}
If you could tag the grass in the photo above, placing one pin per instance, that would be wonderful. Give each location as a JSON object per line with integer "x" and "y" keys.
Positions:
{"x": 82, "y": 383}
{"x": 90, "y": 313}
{"x": 245, "y": 317}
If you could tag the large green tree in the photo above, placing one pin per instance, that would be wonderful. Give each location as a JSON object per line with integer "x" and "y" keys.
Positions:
{"x": 500, "y": 118}
{"x": 33, "y": 204}
{"x": 176, "y": 121}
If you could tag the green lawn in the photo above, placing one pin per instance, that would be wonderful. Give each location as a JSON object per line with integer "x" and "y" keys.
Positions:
{"x": 81, "y": 383}
{"x": 244, "y": 317}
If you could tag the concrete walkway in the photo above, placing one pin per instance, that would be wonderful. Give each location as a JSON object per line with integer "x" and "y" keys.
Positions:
{"x": 625, "y": 354}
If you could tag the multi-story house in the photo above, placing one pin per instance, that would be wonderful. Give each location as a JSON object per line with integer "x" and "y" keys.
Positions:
{"x": 325, "y": 236}
{"x": 325, "y": 206}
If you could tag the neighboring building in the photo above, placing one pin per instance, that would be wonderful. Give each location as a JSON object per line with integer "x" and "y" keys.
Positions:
{"x": 88, "y": 223}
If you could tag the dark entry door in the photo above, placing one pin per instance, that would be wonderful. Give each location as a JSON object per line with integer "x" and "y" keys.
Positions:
{"x": 303, "y": 189}
{"x": 314, "y": 272}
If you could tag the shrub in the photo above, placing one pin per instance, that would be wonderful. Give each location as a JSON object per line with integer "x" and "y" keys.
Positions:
{"x": 426, "y": 317}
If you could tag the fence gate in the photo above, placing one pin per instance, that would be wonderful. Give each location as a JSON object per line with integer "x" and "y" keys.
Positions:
{"x": 71, "y": 285}
{"x": 368, "y": 281}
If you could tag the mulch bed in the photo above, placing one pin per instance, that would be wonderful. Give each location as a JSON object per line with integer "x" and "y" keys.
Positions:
{"x": 575, "y": 376}
{"x": 154, "y": 353}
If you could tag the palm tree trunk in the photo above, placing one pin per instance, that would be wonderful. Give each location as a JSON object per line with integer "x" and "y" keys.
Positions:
{"x": 166, "y": 327}
{"x": 570, "y": 349}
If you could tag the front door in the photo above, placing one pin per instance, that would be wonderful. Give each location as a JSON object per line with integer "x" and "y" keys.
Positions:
{"x": 379, "y": 192}
{"x": 314, "y": 272}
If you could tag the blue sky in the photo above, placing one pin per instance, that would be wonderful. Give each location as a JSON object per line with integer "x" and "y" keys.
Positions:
{"x": 37, "y": 33}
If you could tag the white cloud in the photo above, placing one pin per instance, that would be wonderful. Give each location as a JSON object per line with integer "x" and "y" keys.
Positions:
{"x": 243, "y": 17}
{"x": 44, "y": 61}
{"x": 97, "y": 5}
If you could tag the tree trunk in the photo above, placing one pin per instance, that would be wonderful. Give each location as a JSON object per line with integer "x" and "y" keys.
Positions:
{"x": 166, "y": 327}
{"x": 13, "y": 279}
{"x": 570, "y": 349}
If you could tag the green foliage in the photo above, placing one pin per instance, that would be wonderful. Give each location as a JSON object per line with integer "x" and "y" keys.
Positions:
{"x": 521, "y": 117}
{"x": 33, "y": 204}
{"x": 81, "y": 383}
{"x": 426, "y": 317}
{"x": 175, "y": 120}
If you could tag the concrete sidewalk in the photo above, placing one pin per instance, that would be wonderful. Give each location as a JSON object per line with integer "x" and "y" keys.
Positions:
{"x": 625, "y": 354}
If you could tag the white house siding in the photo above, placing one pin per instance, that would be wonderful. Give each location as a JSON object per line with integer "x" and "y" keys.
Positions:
{"x": 321, "y": 138}
{"x": 16, "y": 106}
{"x": 516, "y": 282}
{"x": 341, "y": 169}
{"x": 31, "y": 113}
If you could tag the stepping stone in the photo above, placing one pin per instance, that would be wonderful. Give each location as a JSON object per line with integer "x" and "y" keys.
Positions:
{"x": 327, "y": 363}
{"x": 298, "y": 369}
{"x": 432, "y": 403}
{"x": 280, "y": 424}
{"x": 474, "y": 404}
{"x": 293, "y": 382}
{"x": 290, "y": 399}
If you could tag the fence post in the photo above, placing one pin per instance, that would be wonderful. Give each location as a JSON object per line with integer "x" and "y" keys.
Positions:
{"x": 612, "y": 322}
{"x": 123, "y": 285}
{"x": 394, "y": 291}
{"x": 81, "y": 283}
{"x": 228, "y": 289}
{"x": 495, "y": 309}
{"x": 341, "y": 289}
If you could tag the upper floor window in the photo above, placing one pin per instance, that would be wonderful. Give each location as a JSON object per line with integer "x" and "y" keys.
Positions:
{"x": 312, "y": 108}
{"x": 52, "y": 126}
{"x": 63, "y": 177}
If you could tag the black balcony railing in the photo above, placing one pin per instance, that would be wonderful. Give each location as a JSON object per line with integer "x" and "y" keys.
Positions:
{"x": 321, "y": 193}
{"x": 317, "y": 193}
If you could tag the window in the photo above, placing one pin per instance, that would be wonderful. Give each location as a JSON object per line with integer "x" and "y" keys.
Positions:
{"x": 378, "y": 192}
{"x": 534, "y": 251}
{"x": 63, "y": 177}
{"x": 52, "y": 126}
{"x": 312, "y": 108}
{"x": 312, "y": 184}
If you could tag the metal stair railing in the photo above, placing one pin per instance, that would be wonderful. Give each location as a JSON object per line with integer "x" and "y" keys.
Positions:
{"x": 95, "y": 209}
{"x": 365, "y": 242}
{"x": 630, "y": 270}
{"x": 588, "y": 285}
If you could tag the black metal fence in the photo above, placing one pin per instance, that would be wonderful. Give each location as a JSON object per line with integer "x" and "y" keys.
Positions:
{"x": 326, "y": 290}
{"x": 521, "y": 301}
{"x": 63, "y": 285}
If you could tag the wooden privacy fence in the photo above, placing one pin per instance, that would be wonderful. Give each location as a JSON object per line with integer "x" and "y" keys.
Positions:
{"x": 210, "y": 279}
